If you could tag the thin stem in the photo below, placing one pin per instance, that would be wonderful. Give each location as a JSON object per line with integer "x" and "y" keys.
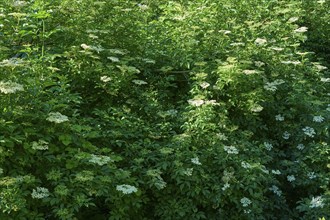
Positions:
{"x": 43, "y": 38}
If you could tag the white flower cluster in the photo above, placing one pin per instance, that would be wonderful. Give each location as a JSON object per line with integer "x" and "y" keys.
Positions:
{"x": 276, "y": 172}
{"x": 301, "y": 30}
{"x": 279, "y": 117}
{"x": 10, "y": 87}
{"x": 300, "y": 146}
{"x": 19, "y": 3}
{"x": 286, "y": 135}
{"x": 196, "y": 161}
{"x": 40, "y": 145}
{"x": 114, "y": 59}
{"x": 268, "y": 146}
{"x": 293, "y": 19}
{"x": 295, "y": 62}
{"x": 260, "y": 41}
{"x": 249, "y": 72}
{"x": 99, "y": 159}
{"x": 318, "y": 119}
{"x": 160, "y": 183}
{"x": 143, "y": 7}
{"x": 257, "y": 108}
{"x": 39, "y": 193}
{"x": 237, "y": 44}
{"x": 309, "y": 131}
{"x": 126, "y": 189}
{"x": 316, "y": 202}
{"x": 199, "y": 102}
{"x": 291, "y": 178}
{"x": 311, "y": 175}
{"x": 226, "y": 186}
{"x": 277, "y": 48}
{"x": 12, "y": 62}
{"x": 231, "y": 149}
{"x": 245, "y": 165}
{"x": 275, "y": 190}
{"x": 320, "y": 67}
{"x": 259, "y": 63}
{"x": 245, "y": 202}
{"x": 57, "y": 117}
{"x": 325, "y": 79}
{"x": 188, "y": 171}
{"x": 272, "y": 86}
{"x": 225, "y": 31}
{"x": 204, "y": 85}
{"x": 139, "y": 82}
{"x": 105, "y": 79}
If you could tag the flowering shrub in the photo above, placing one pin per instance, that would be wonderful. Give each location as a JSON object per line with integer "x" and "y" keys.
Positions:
{"x": 164, "y": 110}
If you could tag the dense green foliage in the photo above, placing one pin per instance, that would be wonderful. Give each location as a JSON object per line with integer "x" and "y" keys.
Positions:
{"x": 205, "y": 109}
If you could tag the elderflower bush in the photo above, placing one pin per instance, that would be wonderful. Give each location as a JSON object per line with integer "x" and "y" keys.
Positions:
{"x": 163, "y": 110}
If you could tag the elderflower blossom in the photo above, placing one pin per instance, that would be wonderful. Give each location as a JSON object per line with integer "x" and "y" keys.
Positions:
{"x": 311, "y": 175}
{"x": 301, "y": 30}
{"x": 105, "y": 79}
{"x": 291, "y": 178}
{"x": 245, "y": 165}
{"x": 295, "y": 62}
{"x": 114, "y": 59}
{"x": 231, "y": 149}
{"x": 275, "y": 190}
{"x": 196, "y": 102}
{"x": 276, "y": 172}
{"x": 320, "y": 67}
{"x": 286, "y": 135}
{"x": 196, "y": 161}
{"x": 139, "y": 82}
{"x": 245, "y": 202}
{"x": 260, "y": 41}
{"x": 12, "y": 62}
{"x": 57, "y": 117}
{"x": 99, "y": 159}
{"x": 316, "y": 202}
{"x": 249, "y": 72}
{"x": 225, "y": 31}
{"x": 10, "y": 87}
{"x": 259, "y": 63}
{"x": 19, "y": 3}
{"x": 204, "y": 85}
{"x": 188, "y": 171}
{"x": 268, "y": 146}
{"x": 293, "y": 19}
{"x": 325, "y": 79}
{"x": 318, "y": 119}
{"x": 226, "y": 186}
{"x": 143, "y": 7}
{"x": 39, "y": 193}
{"x": 85, "y": 46}
{"x": 309, "y": 131}
{"x": 126, "y": 189}
{"x": 277, "y": 48}
{"x": 279, "y": 117}
{"x": 300, "y": 146}
{"x": 257, "y": 108}
{"x": 40, "y": 145}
